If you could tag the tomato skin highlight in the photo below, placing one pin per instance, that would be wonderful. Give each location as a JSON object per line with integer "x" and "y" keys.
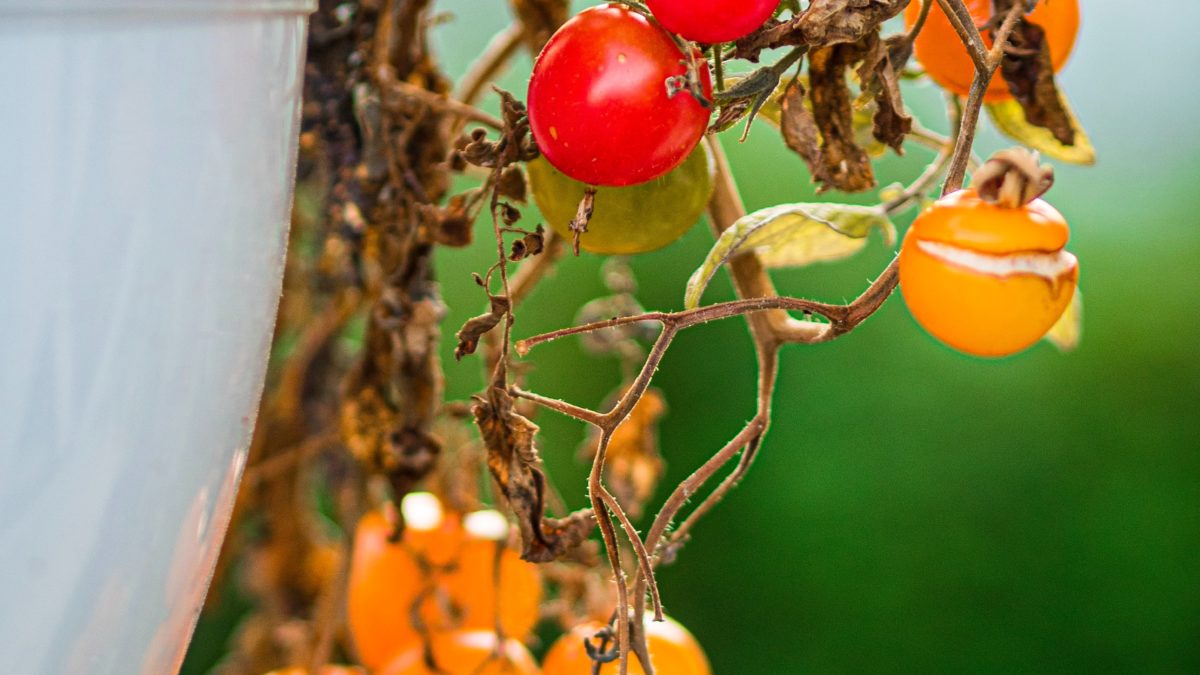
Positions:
{"x": 945, "y": 58}
{"x": 598, "y": 101}
{"x": 712, "y": 21}
{"x": 977, "y": 311}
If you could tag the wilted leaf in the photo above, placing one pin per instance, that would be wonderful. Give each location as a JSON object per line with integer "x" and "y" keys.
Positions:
{"x": 468, "y": 336}
{"x": 633, "y": 464}
{"x": 1029, "y": 72}
{"x": 878, "y": 78}
{"x": 514, "y": 463}
{"x": 827, "y": 22}
{"x": 529, "y": 245}
{"x": 841, "y": 163}
{"x": 1009, "y": 118}
{"x": 1066, "y": 333}
{"x": 792, "y": 235}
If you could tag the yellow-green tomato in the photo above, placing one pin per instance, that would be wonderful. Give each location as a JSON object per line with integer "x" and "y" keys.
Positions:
{"x": 631, "y": 219}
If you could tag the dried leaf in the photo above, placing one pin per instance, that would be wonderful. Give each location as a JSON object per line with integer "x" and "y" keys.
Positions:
{"x": 529, "y": 245}
{"x": 1065, "y": 334}
{"x": 475, "y": 328}
{"x": 1029, "y": 72}
{"x": 511, "y": 184}
{"x": 878, "y": 77}
{"x": 828, "y": 22}
{"x": 633, "y": 465}
{"x": 792, "y": 235}
{"x": 840, "y": 163}
{"x": 516, "y": 467}
{"x": 1009, "y": 118}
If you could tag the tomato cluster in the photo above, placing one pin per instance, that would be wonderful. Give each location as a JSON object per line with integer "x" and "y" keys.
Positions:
{"x": 449, "y": 573}
{"x": 431, "y": 602}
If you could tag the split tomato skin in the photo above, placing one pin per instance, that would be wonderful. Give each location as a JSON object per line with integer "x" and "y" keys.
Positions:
{"x": 985, "y": 279}
{"x": 599, "y": 106}
{"x": 712, "y": 21}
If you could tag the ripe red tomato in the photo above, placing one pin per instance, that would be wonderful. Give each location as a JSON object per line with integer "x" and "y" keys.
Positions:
{"x": 712, "y": 21}
{"x": 599, "y": 104}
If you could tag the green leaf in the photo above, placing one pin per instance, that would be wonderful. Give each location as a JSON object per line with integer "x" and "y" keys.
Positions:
{"x": 1009, "y": 118}
{"x": 792, "y": 235}
{"x": 1066, "y": 333}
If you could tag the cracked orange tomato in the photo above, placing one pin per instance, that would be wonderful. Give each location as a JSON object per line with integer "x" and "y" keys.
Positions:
{"x": 441, "y": 576}
{"x": 600, "y": 107}
{"x": 946, "y": 61}
{"x": 987, "y": 279}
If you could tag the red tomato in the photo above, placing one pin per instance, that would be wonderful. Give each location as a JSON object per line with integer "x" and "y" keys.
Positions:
{"x": 712, "y": 21}
{"x": 599, "y": 104}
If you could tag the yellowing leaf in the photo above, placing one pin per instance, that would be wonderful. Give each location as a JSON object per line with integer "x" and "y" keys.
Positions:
{"x": 1009, "y": 118}
{"x": 792, "y": 235}
{"x": 1066, "y": 333}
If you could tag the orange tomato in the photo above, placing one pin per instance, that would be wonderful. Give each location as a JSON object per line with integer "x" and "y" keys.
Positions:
{"x": 945, "y": 59}
{"x": 986, "y": 279}
{"x": 324, "y": 670}
{"x": 442, "y": 573}
{"x": 474, "y": 652}
{"x": 673, "y": 651}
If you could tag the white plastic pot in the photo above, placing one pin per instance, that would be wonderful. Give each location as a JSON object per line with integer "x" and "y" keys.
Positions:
{"x": 147, "y": 154}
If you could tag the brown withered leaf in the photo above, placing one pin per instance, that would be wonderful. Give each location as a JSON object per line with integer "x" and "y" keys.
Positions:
{"x": 823, "y": 23}
{"x": 513, "y": 461}
{"x": 1029, "y": 73}
{"x": 837, "y": 162}
{"x": 633, "y": 465}
{"x": 799, "y": 129}
{"x": 475, "y": 327}
{"x": 511, "y": 183}
{"x": 452, "y": 223}
{"x": 828, "y": 22}
{"x": 879, "y": 77}
{"x": 529, "y": 245}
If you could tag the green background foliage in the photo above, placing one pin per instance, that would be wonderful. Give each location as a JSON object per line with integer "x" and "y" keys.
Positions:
{"x": 913, "y": 509}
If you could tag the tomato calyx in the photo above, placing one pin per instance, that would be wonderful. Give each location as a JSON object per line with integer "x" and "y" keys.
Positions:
{"x": 1013, "y": 178}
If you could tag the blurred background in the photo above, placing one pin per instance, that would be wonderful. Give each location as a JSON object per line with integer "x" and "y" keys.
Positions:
{"x": 914, "y": 509}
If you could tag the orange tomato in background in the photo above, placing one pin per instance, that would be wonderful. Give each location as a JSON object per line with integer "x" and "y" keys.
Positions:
{"x": 945, "y": 58}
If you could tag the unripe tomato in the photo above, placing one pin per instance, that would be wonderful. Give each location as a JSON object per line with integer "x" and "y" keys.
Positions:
{"x": 630, "y": 219}
{"x": 599, "y": 106}
{"x": 712, "y": 21}
{"x": 945, "y": 58}
{"x": 986, "y": 279}
{"x": 673, "y": 651}
{"x": 442, "y": 573}
{"x": 466, "y": 653}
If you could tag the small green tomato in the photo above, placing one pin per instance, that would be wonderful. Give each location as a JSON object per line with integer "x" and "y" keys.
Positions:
{"x": 631, "y": 219}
